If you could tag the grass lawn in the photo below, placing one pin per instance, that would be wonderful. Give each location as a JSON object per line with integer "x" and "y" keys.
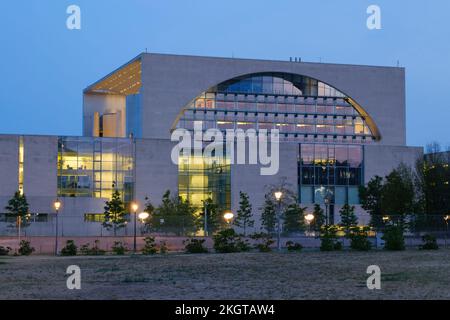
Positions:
{"x": 411, "y": 274}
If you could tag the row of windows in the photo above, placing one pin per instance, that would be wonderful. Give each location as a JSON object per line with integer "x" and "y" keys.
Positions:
{"x": 313, "y": 107}
{"x": 330, "y": 176}
{"x": 296, "y": 116}
{"x": 33, "y": 217}
{"x": 278, "y": 83}
{"x": 339, "y": 194}
{"x": 284, "y": 125}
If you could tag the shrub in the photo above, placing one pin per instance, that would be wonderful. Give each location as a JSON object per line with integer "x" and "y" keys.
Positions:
{"x": 150, "y": 246}
{"x": 329, "y": 239}
{"x": 263, "y": 241}
{"x": 227, "y": 241}
{"x": 359, "y": 239}
{"x": 294, "y": 246}
{"x": 193, "y": 245}
{"x": 4, "y": 251}
{"x": 163, "y": 247}
{"x": 429, "y": 243}
{"x": 94, "y": 251}
{"x": 119, "y": 248}
{"x": 25, "y": 248}
{"x": 70, "y": 249}
{"x": 393, "y": 237}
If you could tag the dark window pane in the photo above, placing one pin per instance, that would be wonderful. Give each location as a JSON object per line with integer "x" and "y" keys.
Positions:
{"x": 308, "y": 175}
{"x": 341, "y": 176}
{"x": 321, "y": 176}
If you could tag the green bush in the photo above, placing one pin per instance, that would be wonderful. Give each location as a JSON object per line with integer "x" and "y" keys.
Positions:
{"x": 193, "y": 245}
{"x": 163, "y": 247}
{"x": 293, "y": 246}
{"x": 228, "y": 240}
{"x": 94, "y": 251}
{"x": 329, "y": 239}
{"x": 119, "y": 248}
{"x": 393, "y": 237}
{"x": 70, "y": 249}
{"x": 359, "y": 239}
{"x": 4, "y": 251}
{"x": 263, "y": 241}
{"x": 150, "y": 246}
{"x": 25, "y": 248}
{"x": 429, "y": 243}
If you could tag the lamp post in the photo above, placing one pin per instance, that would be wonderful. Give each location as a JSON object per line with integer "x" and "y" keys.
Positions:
{"x": 446, "y": 218}
{"x": 134, "y": 207}
{"x": 327, "y": 201}
{"x": 206, "y": 219}
{"x": 278, "y": 196}
{"x": 143, "y": 216}
{"x": 57, "y": 205}
{"x": 228, "y": 216}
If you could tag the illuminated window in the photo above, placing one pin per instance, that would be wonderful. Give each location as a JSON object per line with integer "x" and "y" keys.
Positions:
{"x": 95, "y": 167}
{"x": 294, "y": 104}
{"x": 21, "y": 158}
{"x": 199, "y": 179}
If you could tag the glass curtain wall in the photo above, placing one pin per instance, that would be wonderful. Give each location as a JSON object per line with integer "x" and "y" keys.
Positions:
{"x": 199, "y": 179}
{"x": 95, "y": 167}
{"x": 300, "y": 107}
{"x": 333, "y": 169}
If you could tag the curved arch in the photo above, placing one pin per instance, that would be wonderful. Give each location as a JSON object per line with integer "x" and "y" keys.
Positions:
{"x": 367, "y": 119}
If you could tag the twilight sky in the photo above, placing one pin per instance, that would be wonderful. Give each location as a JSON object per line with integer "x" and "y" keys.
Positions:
{"x": 44, "y": 66}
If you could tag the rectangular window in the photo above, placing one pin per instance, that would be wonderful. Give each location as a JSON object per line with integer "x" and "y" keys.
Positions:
{"x": 94, "y": 217}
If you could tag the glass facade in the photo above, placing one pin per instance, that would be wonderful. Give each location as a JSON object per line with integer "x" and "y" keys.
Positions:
{"x": 336, "y": 170}
{"x": 302, "y": 108}
{"x": 199, "y": 179}
{"x": 89, "y": 167}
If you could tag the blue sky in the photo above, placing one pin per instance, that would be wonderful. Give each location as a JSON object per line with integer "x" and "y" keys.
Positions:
{"x": 45, "y": 66}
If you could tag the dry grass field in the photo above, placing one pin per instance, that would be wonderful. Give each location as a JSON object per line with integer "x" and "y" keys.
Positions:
{"x": 411, "y": 274}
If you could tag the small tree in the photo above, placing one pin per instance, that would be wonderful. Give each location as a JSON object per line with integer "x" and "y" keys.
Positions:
{"x": 294, "y": 220}
{"x": 244, "y": 214}
{"x": 348, "y": 217}
{"x": 114, "y": 215}
{"x": 371, "y": 197}
{"x": 150, "y": 209}
{"x": 214, "y": 220}
{"x": 174, "y": 214}
{"x": 319, "y": 217}
{"x": 393, "y": 237}
{"x": 268, "y": 215}
{"x": 18, "y": 208}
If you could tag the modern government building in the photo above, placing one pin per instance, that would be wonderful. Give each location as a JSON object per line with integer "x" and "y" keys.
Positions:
{"x": 339, "y": 125}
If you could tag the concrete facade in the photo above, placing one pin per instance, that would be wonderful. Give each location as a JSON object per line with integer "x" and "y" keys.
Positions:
{"x": 166, "y": 85}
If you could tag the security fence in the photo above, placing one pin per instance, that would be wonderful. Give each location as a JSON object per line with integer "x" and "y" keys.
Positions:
{"x": 184, "y": 226}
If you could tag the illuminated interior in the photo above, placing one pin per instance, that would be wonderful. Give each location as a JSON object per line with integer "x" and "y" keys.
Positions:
{"x": 125, "y": 81}
{"x": 92, "y": 167}
{"x": 199, "y": 180}
{"x": 302, "y": 108}
{"x": 21, "y": 158}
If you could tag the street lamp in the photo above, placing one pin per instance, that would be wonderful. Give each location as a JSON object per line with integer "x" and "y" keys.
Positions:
{"x": 309, "y": 218}
{"x": 134, "y": 207}
{"x": 327, "y": 201}
{"x": 278, "y": 196}
{"x": 57, "y": 205}
{"x": 228, "y": 216}
{"x": 142, "y": 216}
